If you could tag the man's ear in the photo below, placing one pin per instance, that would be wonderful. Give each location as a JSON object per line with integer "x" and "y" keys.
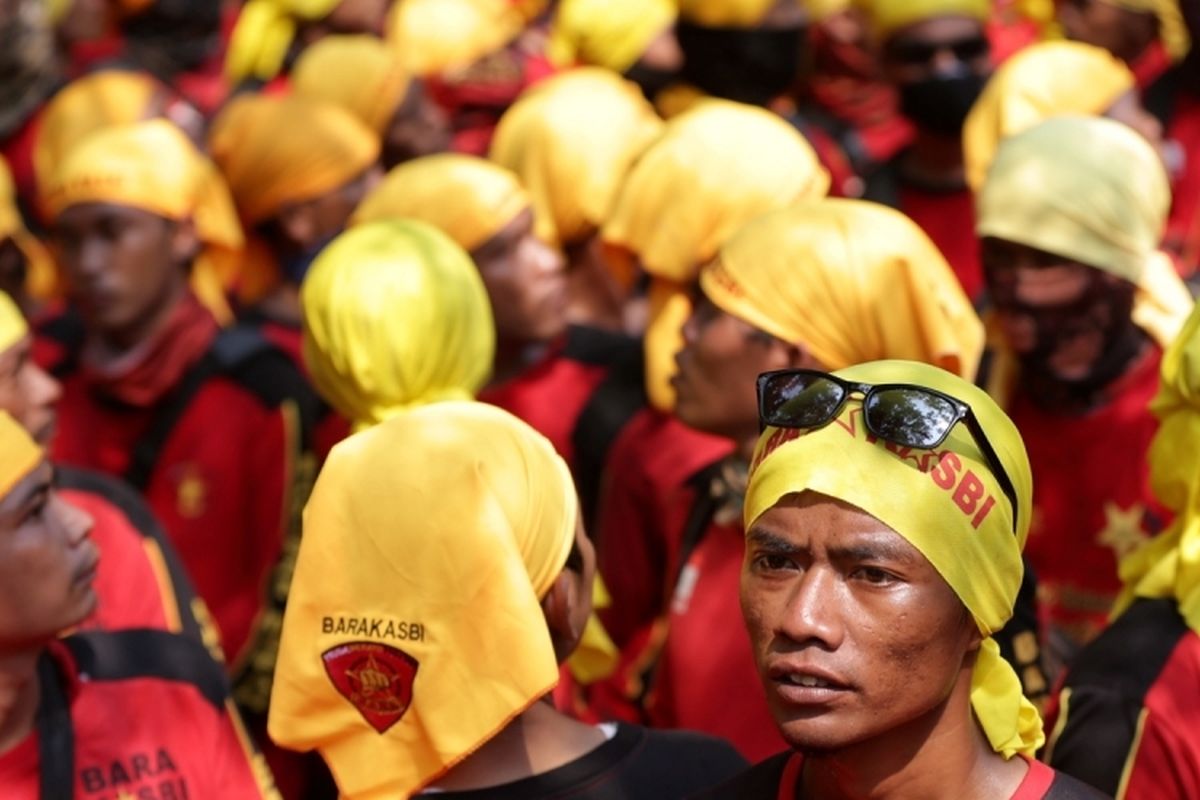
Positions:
{"x": 298, "y": 224}
{"x": 559, "y": 606}
{"x": 185, "y": 243}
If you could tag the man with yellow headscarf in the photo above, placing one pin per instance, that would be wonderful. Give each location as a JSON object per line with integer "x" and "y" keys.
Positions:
{"x": 212, "y": 426}
{"x": 1154, "y": 38}
{"x": 368, "y": 78}
{"x": 826, "y": 284}
{"x": 1125, "y": 717}
{"x": 419, "y": 649}
{"x": 1070, "y": 218}
{"x": 885, "y": 515}
{"x": 938, "y": 56}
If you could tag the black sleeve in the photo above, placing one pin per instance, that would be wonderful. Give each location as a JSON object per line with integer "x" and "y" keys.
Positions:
{"x": 680, "y": 764}
{"x": 1099, "y": 729}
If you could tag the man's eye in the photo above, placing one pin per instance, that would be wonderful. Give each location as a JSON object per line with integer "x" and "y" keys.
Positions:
{"x": 773, "y": 563}
{"x": 874, "y": 575}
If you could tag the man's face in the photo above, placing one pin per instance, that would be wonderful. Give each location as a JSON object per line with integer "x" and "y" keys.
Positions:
{"x": 939, "y": 66}
{"x": 420, "y": 128}
{"x": 854, "y": 632}
{"x": 27, "y": 392}
{"x": 526, "y": 281}
{"x": 122, "y": 265}
{"x": 47, "y": 563}
{"x": 1123, "y": 33}
{"x": 329, "y": 213}
{"x": 716, "y": 371}
{"x": 359, "y": 16}
{"x": 1058, "y": 316}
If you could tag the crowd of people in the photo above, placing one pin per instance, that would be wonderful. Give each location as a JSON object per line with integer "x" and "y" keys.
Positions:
{"x": 599, "y": 399}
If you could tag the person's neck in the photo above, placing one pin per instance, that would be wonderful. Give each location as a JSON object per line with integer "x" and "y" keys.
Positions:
{"x": 112, "y": 345}
{"x": 935, "y": 160}
{"x": 513, "y": 358}
{"x": 19, "y": 692}
{"x": 942, "y": 755}
{"x": 537, "y": 741}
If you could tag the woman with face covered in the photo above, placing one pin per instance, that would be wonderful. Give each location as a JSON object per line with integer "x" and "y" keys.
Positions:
{"x": 419, "y": 648}
{"x": 885, "y": 515}
{"x": 1070, "y": 217}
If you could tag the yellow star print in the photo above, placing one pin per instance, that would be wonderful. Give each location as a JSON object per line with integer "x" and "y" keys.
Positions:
{"x": 1122, "y": 529}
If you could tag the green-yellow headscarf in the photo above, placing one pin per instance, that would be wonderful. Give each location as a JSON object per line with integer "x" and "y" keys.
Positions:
{"x": 947, "y": 503}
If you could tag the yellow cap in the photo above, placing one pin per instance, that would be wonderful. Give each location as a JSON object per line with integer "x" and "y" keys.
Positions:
{"x": 19, "y": 453}
{"x": 886, "y": 17}
{"x": 263, "y": 35}
{"x": 607, "y": 33}
{"x": 359, "y": 73}
{"x": 435, "y": 36}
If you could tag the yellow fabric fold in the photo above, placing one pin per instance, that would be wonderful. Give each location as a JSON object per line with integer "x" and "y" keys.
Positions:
{"x": 725, "y": 13}
{"x": 395, "y": 316}
{"x": 41, "y": 276}
{"x": 608, "y": 33}
{"x": 886, "y": 17}
{"x": 153, "y": 166}
{"x": 1169, "y": 564}
{"x": 13, "y": 327}
{"x": 263, "y": 35}
{"x": 712, "y": 169}
{"x": 359, "y": 73}
{"x": 468, "y": 198}
{"x": 965, "y": 530}
{"x": 452, "y": 521}
{"x": 435, "y": 36}
{"x": 1084, "y": 188}
{"x": 275, "y": 151}
{"x": 21, "y": 454}
{"x": 571, "y": 140}
{"x": 850, "y": 281}
{"x": 84, "y": 106}
{"x": 1044, "y": 80}
{"x": 1171, "y": 26}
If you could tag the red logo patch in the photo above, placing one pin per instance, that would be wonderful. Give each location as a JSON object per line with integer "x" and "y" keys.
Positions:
{"x": 375, "y": 678}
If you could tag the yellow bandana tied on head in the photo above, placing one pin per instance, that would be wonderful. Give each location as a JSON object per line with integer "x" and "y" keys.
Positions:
{"x": 275, "y": 151}
{"x": 887, "y": 17}
{"x": 414, "y": 631}
{"x": 946, "y": 502}
{"x": 1094, "y": 191}
{"x": 725, "y": 13}
{"x": 468, "y": 198}
{"x": 13, "y": 327}
{"x": 1169, "y": 564}
{"x": 359, "y": 73}
{"x": 849, "y": 281}
{"x": 19, "y": 453}
{"x": 436, "y": 36}
{"x": 395, "y": 316}
{"x": 1044, "y": 80}
{"x": 152, "y": 166}
{"x": 713, "y": 169}
{"x": 84, "y": 106}
{"x": 607, "y": 33}
{"x": 41, "y": 277}
{"x": 264, "y": 33}
{"x": 571, "y": 140}
{"x": 1172, "y": 29}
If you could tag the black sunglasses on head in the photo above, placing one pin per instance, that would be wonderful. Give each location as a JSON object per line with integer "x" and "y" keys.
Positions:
{"x": 901, "y": 413}
{"x": 919, "y": 53}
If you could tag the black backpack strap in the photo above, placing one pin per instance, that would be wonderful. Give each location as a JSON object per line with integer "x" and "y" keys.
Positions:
{"x": 698, "y": 519}
{"x": 56, "y": 733}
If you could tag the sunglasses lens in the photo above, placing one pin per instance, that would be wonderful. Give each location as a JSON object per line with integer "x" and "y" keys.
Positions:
{"x": 910, "y": 417}
{"x": 799, "y": 400}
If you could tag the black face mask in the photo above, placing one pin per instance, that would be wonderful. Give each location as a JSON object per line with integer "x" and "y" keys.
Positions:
{"x": 651, "y": 80}
{"x": 940, "y": 104}
{"x": 751, "y": 66}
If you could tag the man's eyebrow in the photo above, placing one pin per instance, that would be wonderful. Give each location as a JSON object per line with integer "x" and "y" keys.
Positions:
{"x": 766, "y": 540}
{"x": 872, "y": 551}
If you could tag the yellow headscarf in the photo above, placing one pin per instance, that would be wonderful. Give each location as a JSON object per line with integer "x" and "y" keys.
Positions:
{"x": 41, "y": 278}
{"x": 713, "y": 169}
{"x": 1094, "y": 191}
{"x": 153, "y": 166}
{"x": 468, "y": 198}
{"x": 571, "y": 140}
{"x": 435, "y": 36}
{"x": 886, "y": 17}
{"x": 395, "y": 316}
{"x": 84, "y": 106}
{"x": 1042, "y": 81}
{"x": 13, "y": 327}
{"x": 264, "y": 33}
{"x": 359, "y": 73}
{"x": 966, "y": 531}
{"x": 608, "y": 33}
{"x": 19, "y": 453}
{"x": 280, "y": 150}
{"x": 725, "y": 13}
{"x": 850, "y": 281}
{"x": 1169, "y": 564}
{"x": 1171, "y": 27}
{"x": 414, "y": 631}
